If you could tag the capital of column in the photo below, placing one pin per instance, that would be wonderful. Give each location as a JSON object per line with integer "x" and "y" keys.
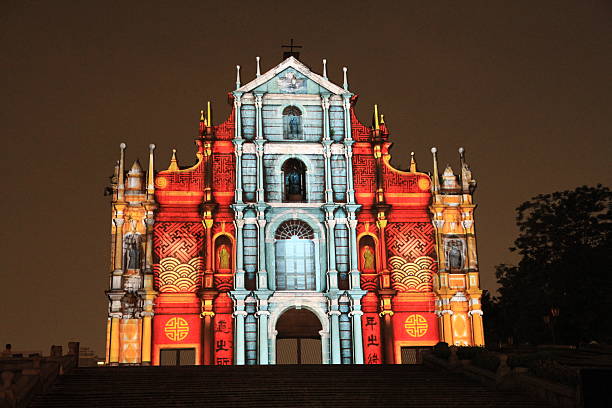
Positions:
{"x": 237, "y": 102}
{"x": 262, "y": 312}
{"x": 346, "y": 100}
{"x": 240, "y": 313}
{"x": 118, "y": 221}
{"x": 258, "y": 100}
{"x": 334, "y": 313}
{"x": 325, "y": 101}
{"x": 356, "y": 313}
{"x": 475, "y": 311}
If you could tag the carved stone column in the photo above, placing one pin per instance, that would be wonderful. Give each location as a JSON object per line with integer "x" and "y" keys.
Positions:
{"x": 350, "y": 185}
{"x": 239, "y": 339}
{"x": 357, "y": 334}
{"x": 259, "y": 143}
{"x": 334, "y": 321}
{"x": 239, "y": 224}
{"x": 262, "y": 274}
{"x": 354, "y": 272}
{"x": 263, "y": 351}
{"x": 332, "y": 273}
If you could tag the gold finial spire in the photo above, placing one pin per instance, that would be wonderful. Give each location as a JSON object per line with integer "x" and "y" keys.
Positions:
{"x": 173, "y": 162}
{"x": 208, "y": 114}
{"x": 434, "y": 177}
{"x": 413, "y": 167}
{"x": 376, "y": 124}
{"x": 120, "y": 183}
{"x": 202, "y": 118}
{"x": 150, "y": 174}
{"x": 382, "y": 120}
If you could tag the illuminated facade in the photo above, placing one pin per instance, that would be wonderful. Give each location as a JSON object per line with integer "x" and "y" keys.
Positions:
{"x": 291, "y": 239}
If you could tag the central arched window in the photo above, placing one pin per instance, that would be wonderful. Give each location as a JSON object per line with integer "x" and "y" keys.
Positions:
{"x": 292, "y": 123}
{"x": 295, "y": 261}
{"x": 294, "y": 180}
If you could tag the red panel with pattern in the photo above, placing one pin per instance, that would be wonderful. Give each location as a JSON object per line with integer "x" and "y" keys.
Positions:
{"x": 364, "y": 170}
{"x": 224, "y": 169}
{"x": 361, "y": 133}
{"x": 181, "y": 240}
{"x": 410, "y": 240}
{"x": 225, "y": 130}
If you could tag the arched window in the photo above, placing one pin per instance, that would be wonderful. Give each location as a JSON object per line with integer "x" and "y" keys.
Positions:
{"x": 295, "y": 263}
{"x": 294, "y": 181}
{"x": 292, "y": 123}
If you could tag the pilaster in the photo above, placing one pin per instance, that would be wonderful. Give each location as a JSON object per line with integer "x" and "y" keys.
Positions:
{"x": 330, "y": 223}
{"x": 357, "y": 331}
{"x": 239, "y": 315}
{"x": 259, "y": 145}
{"x": 350, "y": 185}
{"x": 355, "y": 275}
{"x": 118, "y": 262}
{"x": 334, "y": 319}
{"x": 263, "y": 315}
{"x": 239, "y": 224}
{"x": 262, "y": 274}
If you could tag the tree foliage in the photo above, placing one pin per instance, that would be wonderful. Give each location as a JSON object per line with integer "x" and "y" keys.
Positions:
{"x": 565, "y": 244}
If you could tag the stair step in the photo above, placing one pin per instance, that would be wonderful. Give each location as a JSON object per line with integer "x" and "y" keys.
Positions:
{"x": 273, "y": 386}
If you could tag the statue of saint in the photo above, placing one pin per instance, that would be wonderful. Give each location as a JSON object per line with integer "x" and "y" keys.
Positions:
{"x": 224, "y": 257}
{"x": 455, "y": 255}
{"x": 132, "y": 252}
{"x": 368, "y": 258}
{"x": 294, "y": 127}
{"x": 294, "y": 186}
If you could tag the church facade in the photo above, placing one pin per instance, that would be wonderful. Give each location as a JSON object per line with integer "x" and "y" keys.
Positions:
{"x": 292, "y": 239}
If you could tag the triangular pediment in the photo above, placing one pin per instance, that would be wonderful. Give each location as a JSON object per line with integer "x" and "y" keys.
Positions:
{"x": 290, "y": 76}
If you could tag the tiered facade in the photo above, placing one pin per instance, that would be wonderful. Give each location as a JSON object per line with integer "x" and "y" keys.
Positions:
{"x": 291, "y": 216}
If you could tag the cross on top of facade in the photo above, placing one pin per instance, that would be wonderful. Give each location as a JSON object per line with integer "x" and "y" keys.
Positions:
{"x": 291, "y": 52}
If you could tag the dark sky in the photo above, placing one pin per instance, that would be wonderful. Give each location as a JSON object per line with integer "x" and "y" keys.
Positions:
{"x": 524, "y": 86}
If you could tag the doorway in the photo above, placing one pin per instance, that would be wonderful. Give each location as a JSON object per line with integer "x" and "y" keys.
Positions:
{"x": 298, "y": 340}
{"x": 412, "y": 355}
{"x": 177, "y": 357}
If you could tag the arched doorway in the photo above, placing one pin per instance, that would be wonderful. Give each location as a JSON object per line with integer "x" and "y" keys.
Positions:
{"x": 298, "y": 340}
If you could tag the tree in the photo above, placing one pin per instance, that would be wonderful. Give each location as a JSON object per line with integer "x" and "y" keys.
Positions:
{"x": 560, "y": 289}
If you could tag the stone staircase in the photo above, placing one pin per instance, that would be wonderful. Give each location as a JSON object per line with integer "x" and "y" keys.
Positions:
{"x": 274, "y": 386}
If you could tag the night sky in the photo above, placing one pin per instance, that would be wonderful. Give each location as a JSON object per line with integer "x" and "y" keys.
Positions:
{"x": 524, "y": 86}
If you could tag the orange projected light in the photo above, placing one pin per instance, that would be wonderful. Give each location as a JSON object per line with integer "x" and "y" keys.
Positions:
{"x": 176, "y": 329}
{"x": 416, "y": 325}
